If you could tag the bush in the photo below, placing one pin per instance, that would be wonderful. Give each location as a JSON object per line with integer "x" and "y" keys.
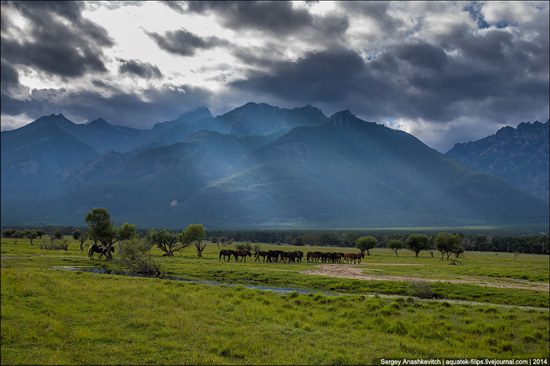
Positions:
{"x": 421, "y": 290}
{"x": 52, "y": 245}
{"x": 244, "y": 246}
{"x": 135, "y": 258}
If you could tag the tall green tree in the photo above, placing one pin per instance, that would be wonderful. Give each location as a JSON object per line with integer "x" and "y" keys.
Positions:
{"x": 57, "y": 234}
{"x": 395, "y": 245}
{"x": 447, "y": 244}
{"x": 166, "y": 241}
{"x": 81, "y": 237}
{"x": 31, "y": 235}
{"x": 100, "y": 229}
{"x": 126, "y": 231}
{"x": 418, "y": 242}
{"x": 365, "y": 243}
{"x": 194, "y": 234}
{"x": 76, "y": 234}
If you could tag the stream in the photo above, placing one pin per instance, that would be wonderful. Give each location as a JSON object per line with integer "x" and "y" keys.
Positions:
{"x": 282, "y": 290}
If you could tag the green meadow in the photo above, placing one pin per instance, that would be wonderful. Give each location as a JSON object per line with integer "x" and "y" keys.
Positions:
{"x": 491, "y": 306}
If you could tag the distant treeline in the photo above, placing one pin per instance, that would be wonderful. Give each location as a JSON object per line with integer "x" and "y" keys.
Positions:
{"x": 538, "y": 244}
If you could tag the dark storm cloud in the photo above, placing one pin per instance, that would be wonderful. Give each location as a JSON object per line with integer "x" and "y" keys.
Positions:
{"x": 309, "y": 78}
{"x": 274, "y": 17}
{"x": 142, "y": 69}
{"x": 184, "y": 43}
{"x": 415, "y": 80}
{"x": 8, "y": 75}
{"x": 423, "y": 55}
{"x": 489, "y": 48}
{"x": 60, "y": 42}
{"x": 139, "y": 110}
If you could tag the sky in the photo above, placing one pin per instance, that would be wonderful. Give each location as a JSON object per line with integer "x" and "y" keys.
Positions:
{"x": 446, "y": 72}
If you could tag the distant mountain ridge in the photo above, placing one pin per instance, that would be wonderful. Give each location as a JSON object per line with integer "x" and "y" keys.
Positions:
{"x": 255, "y": 166}
{"x": 520, "y": 156}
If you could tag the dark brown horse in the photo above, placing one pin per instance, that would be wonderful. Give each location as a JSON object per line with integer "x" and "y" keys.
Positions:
{"x": 226, "y": 253}
{"x": 298, "y": 255}
{"x": 313, "y": 256}
{"x": 243, "y": 254}
{"x": 95, "y": 248}
{"x": 259, "y": 254}
{"x": 273, "y": 255}
{"x": 354, "y": 257}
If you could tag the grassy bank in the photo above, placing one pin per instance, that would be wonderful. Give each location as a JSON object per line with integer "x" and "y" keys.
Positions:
{"x": 58, "y": 317}
{"x": 74, "y": 318}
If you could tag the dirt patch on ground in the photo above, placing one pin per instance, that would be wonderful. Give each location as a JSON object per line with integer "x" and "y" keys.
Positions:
{"x": 399, "y": 264}
{"x": 354, "y": 272}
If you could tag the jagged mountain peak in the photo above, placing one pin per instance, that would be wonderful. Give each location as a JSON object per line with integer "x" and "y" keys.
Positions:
{"x": 195, "y": 114}
{"x": 518, "y": 155}
{"x": 346, "y": 118}
{"x": 52, "y": 118}
{"x": 343, "y": 115}
{"x": 98, "y": 122}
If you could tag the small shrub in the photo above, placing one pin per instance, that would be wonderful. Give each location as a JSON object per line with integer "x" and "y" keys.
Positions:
{"x": 134, "y": 257}
{"x": 419, "y": 289}
{"x": 53, "y": 245}
{"x": 244, "y": 246}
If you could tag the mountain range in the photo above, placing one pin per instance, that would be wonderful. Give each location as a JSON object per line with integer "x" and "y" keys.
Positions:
{"x": 257, "y": 166}
{"x": 517, "y": 155}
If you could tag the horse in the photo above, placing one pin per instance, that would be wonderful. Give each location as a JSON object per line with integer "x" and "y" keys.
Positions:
{"x": 330, "y": 257}
{"x": 325, "y": 257}
{"x": 273, "y": 255}
{"x": 313, "y": 256}
{"x": 354, "y": 257}
{"x": 226, "y": 253}
{"x": 286, "y": 257}
{"x": 342, "y": 255}
{"x": 241, "y": 253}
{"x": 94, "y": 248}
{"x": 259, "y": 254}
{"x": 298, "y": 255}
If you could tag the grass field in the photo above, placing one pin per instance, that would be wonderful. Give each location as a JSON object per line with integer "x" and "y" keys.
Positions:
{"x": 50, "y": 316}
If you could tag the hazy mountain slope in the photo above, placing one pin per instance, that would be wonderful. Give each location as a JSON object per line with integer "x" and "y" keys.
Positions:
{"x": 185, "y": 118}
{"x": 105, "y": 137}
{"x": 519, "y": 155}
{"x": 342, "y": 173}
{"x": 170, "y": 132}
{"x": 264, "y": 119}
{"x": 98, "y": 134}
{"x": 353, "y": 173}
{"x": 35, "y": 158}
{"x": 250, "y": 119}
{"x": 147, "y": 184}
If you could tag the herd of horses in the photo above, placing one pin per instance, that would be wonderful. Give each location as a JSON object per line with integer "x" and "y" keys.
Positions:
{"x": 273, "y": 256}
